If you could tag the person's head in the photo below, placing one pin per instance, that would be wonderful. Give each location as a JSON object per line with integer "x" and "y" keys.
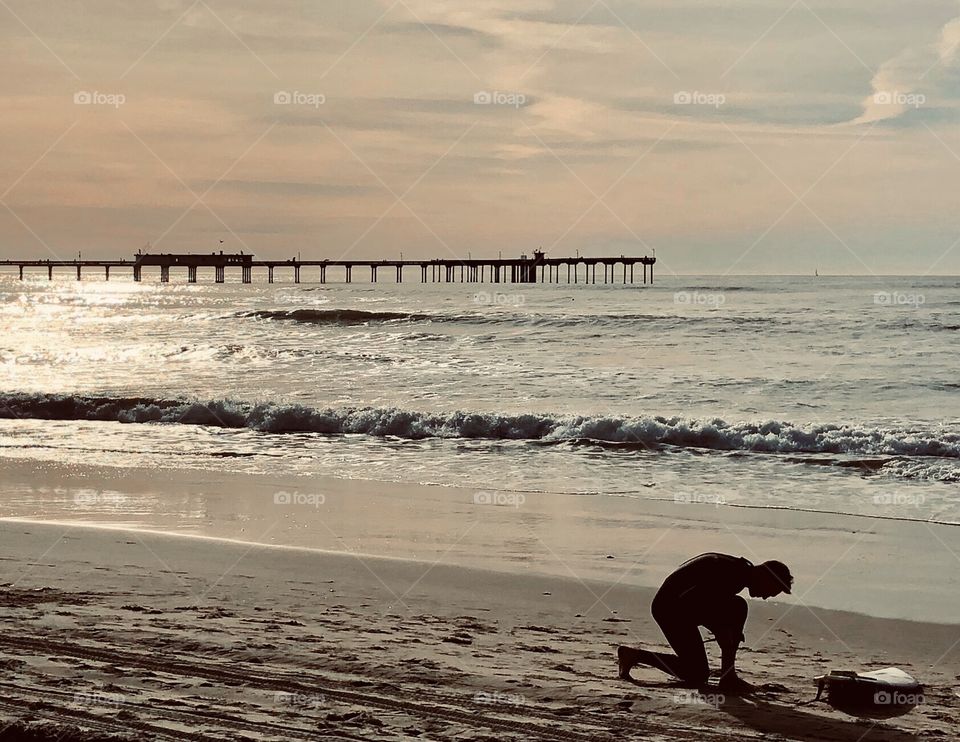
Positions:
{"x": 769, "y": 579}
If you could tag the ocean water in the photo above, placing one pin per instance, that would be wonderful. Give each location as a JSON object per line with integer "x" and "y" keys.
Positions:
{"x": 828, "y": 394}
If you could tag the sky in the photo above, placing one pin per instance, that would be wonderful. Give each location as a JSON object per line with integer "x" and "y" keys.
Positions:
{"x": 757, "y": 136}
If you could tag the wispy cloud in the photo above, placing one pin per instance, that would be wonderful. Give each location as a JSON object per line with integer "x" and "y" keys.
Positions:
{"x": 914, "y": 77}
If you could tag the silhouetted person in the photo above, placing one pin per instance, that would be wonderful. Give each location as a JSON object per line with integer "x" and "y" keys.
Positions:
{"x": 703, "y": 592}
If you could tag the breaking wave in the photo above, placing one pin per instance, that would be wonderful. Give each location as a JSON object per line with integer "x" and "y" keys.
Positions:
{"x": 638, "y": 432}
{"x": 332, "y": 316}
{"x": 363, "y": 316}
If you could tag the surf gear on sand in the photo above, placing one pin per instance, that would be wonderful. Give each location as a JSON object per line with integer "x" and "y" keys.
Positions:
{"x": 876, "y": 694}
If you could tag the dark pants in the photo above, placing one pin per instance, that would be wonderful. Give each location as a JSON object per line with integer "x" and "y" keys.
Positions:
{"x": 680, "y": 625}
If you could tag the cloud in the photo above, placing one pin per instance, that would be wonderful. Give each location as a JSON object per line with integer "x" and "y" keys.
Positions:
{"x": 912, "y": 78}
{"x": 399, "y": 80}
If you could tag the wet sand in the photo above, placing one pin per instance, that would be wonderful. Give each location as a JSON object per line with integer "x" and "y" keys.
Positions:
{"x": 880, "y": 567}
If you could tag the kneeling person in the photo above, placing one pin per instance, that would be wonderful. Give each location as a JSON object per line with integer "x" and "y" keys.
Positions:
{"x": 704, "y": 592}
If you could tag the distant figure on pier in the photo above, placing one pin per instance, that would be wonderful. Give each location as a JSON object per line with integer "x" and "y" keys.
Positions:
{"x": 703, "y": 591}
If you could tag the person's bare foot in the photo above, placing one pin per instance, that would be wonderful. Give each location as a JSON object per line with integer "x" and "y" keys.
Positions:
{"x": 624, "y": 664}
{"x": 734, "y": 684}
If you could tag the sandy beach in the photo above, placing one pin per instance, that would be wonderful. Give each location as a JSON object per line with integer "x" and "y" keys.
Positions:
{"x": 122, "y": 630}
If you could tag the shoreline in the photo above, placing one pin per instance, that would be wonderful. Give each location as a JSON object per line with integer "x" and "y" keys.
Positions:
{"x": 496, "y": 574}
{"x": 637, "y": 542}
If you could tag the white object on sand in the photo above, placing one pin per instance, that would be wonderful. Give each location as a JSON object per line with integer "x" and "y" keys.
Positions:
{"x": 878, "y": 693}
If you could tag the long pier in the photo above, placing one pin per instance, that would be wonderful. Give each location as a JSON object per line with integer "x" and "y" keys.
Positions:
{"x": 536, "y": 269}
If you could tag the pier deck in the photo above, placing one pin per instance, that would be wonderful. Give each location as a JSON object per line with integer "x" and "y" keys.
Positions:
{"x": 538, "y": 269}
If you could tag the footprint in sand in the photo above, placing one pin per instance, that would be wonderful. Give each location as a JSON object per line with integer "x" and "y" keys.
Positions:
{"x": 538, "y": 629}
{"x": 461, "y": 637}
{"x": 542, "y": 649}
